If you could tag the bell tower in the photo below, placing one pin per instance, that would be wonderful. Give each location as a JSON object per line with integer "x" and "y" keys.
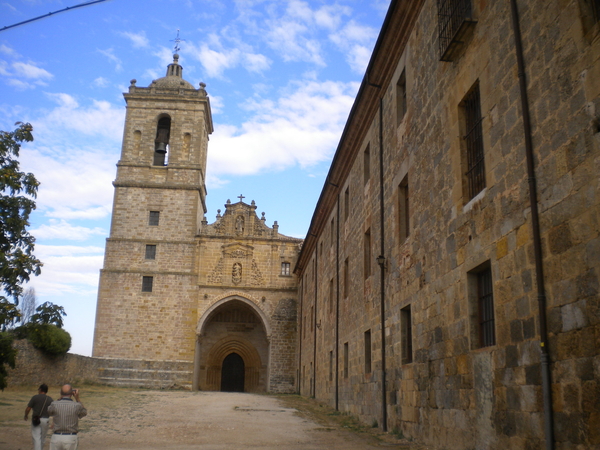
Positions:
{"x": 147, "y": 295}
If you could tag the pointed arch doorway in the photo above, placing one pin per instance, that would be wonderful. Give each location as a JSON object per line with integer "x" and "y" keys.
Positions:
{"x": 232, "y": 373}
{"x": 232, "y": 350}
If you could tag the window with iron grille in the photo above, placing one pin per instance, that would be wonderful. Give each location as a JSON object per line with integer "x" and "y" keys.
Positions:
{"x": 147, "y": 284}
{"x": 401, "y": 97}
{"x": 153, "y": 218}
{"x": 368, "y": 351}
{"x": 346, "y": 278}
{"x": 150, "y": 251}
{"x": 330, "y": 365}
{"x": 346, "y": 356}
{"x": 454, "y": 20}
{"x": 473, "y": 143}
{"x": 367, "y": 254}
{"x": 485, "y": 301}
{"x": 285, "y": 268}
{"x": 403, "y": 210}
{"x": 367, "y": 164}
{"x": 347, "y": 203}
{"x": 406, "y": 324}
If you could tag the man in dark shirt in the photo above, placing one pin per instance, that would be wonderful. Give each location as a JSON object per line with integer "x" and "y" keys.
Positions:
{"x": 66, "y": 414}
{"x": 39, "y": 404}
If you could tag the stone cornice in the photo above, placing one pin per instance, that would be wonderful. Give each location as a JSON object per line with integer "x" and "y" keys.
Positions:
{"x": 137, "y": 184}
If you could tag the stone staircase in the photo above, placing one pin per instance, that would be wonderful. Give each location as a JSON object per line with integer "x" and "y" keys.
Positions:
{"x": 145, "y": 374}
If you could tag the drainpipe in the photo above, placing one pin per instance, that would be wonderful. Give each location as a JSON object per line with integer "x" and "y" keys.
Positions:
{"x": 381, "y": 261}
{"x": 537, "y": 241}
{"x": 300, "y": 336}
{"x": 314, "y": 384}
{"x": 337, "y": 306}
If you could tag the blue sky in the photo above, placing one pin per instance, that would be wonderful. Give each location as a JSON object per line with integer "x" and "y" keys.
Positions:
{"x": 281, "y": 76}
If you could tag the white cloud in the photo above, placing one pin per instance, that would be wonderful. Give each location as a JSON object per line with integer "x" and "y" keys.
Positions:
{"x": 100, "y": 118}
{"x": 139, "y": 40}
{"x": 63, "y": 230}
{"x": 358, "y": 58}
{"x": 29, "y": 70}
{"x": 101, "y": 82}
{"x": 110, "y": 54}
{"x": 6, "y": 49}
{"x": 215, "y": 62}
{"x": 302, "y": 127}
{"x": 353, "y": 40}
{"x": 256, "y": 62}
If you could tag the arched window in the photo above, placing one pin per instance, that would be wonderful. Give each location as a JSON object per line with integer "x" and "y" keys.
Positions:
{"x": 161, "y": 143}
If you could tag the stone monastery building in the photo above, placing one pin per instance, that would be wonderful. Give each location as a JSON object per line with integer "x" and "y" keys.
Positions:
{"x": 448, "y": 286}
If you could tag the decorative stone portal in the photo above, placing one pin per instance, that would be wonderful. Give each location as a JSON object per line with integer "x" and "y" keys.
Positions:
{"x": 233, "y": 350}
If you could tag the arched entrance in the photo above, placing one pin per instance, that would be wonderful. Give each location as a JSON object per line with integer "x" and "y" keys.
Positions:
{"x": 232, "y": 373}
{"x": 232, "y": 350}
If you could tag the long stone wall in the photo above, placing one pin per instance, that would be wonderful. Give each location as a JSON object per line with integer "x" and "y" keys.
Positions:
{"x": 34, "y": 367}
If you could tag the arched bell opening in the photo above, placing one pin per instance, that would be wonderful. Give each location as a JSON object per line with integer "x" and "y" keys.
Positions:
{"x": 232, "y": 328}
{"x": 161, "y": 143}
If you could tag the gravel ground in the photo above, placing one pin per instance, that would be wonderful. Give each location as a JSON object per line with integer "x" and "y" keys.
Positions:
{"x": 182, "y": 420}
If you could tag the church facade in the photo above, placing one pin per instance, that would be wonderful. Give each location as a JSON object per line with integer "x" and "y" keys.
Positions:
{"x": 180, "y": 297}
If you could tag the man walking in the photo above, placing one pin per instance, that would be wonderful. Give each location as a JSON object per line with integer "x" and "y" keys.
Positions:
{"x": 39, "y": 424}
{"x": 66, "y": 414}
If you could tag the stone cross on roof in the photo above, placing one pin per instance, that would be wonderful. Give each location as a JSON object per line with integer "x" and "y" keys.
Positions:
{"x": 241, "y": 197}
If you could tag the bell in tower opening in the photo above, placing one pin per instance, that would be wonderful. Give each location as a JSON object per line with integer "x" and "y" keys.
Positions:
{"x": 161, "y": 143}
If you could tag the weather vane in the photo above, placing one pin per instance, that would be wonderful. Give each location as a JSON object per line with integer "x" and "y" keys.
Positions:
{"x": 177, "y": 41}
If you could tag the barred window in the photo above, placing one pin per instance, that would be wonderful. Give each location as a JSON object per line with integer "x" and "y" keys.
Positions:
{"x": 406, "y": 335}
{"x": 368, "y": 351}
{"x": 403, "y": 210}
{"x": 485, "y": 300}
{"x": 401, "y": 97}
{"x": 454, "y": 20}
{"x": 285, "y": 268}
{"x": 147, "y": 284}
{"x": 473, "y": 138}
{"x": 150, "y": 251}
{"x": 346, "y": 361}
{"x": 153, "y": 218}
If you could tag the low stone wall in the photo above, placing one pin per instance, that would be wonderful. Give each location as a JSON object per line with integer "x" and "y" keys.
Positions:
{"x": 34, "y": 367}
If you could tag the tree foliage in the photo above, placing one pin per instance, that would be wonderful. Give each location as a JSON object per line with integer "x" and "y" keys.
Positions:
{"x": 48, "y": 338}
{"x": 8, "y": 356}
{"x": 49, "y": 313}
{"x": 17, "y": 191}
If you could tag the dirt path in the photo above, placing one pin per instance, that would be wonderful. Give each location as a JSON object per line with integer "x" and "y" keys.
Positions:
{"x": 181, "y": 420}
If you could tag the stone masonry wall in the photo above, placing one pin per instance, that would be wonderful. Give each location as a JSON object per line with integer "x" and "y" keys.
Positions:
{"x": 450, "y": 391}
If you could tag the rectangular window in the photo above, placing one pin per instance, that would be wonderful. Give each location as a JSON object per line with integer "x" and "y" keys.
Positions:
{"x": 454, "y": 20}
{"x": 406, "y": 334}
{"x": 485, "y": 301}
{"x": 368, "y": 351}
{"x": 285, "y": 268}
{"x": 154, "y": 218}
{"x": 367, "y": 254}
{"x": 473, "y": 143}
{"x": 331, "y": 296}
{"x": 346, "y": 360}
{"x": 147, "y": 284}
{"x": 347, "y": 203}
{"x": 312, "y": 321}
{"x": 331, "y": 365}
{"x": 401, "y": 97}
{"x": 346, "y": 278}
{"x": 403, "y": 210}
{"x": 481, "y": 306}
{"x": 332, "y": 231}
{"x": 150, "y": 251}
{"x": 367, "y": 164}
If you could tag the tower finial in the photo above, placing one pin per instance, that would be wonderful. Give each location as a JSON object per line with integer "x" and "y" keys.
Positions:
{"x": 177, "y": 41}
